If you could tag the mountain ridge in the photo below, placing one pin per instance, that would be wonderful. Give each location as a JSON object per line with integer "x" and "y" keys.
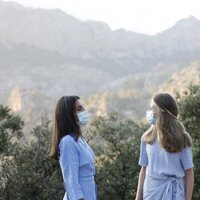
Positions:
{"x": 47, "y": 54}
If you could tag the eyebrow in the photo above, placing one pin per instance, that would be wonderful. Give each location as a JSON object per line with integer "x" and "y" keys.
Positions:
{"x": 80, "y": 106}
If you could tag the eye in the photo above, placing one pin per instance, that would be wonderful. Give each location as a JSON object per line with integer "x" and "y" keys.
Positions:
{"x": 80, "y": 108}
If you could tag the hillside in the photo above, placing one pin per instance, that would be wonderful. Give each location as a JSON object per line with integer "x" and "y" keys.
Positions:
{"x": 46, "y": 54}
{"x": 132, "y": 98}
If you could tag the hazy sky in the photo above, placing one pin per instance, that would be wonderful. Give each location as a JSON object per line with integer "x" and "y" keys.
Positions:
{"x": 144, "y": 16}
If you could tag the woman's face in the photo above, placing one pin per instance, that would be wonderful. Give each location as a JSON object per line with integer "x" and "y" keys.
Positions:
{"x": 79, "y": 106}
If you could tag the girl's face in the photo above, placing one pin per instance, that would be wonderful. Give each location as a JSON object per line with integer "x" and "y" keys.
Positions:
{"x": 151, "y": 114}
{"x": 154, "y": 108}
{"x": 79, "y": 106}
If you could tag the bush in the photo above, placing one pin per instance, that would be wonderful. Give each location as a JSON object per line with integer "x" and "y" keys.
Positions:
{"x": 189, "y": 105}
{"x": 117, "y": 158}
{"x": 28, "y": 173}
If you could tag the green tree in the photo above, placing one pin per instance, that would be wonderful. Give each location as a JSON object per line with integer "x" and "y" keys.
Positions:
{"x": 189, "y": 105}
{"x": 117, "y": 156}
{"x": 28, "y": 173}
{"x": 10, "y": 129}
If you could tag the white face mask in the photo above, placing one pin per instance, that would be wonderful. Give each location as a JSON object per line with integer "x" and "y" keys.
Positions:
{"x": 83, "y": 118}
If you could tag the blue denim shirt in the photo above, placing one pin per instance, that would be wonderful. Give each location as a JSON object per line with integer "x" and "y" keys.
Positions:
{"x": 77, "y": 165}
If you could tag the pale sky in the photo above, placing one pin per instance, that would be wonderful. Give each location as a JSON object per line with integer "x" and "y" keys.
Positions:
{"x": 143, "y": 16}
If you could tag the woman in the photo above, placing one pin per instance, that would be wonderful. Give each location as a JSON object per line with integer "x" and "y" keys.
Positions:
{"x": 165, "y": 154}
{"x": 75, "y": 157}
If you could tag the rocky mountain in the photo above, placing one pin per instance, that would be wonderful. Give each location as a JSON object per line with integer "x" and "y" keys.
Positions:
{"x": 45, "y": 54}
{"x": 132, "y": 97}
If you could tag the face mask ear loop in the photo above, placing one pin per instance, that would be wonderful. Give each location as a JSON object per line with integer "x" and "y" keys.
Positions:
{"x": 170, "y": 114}
{"x": 161, "y": 110}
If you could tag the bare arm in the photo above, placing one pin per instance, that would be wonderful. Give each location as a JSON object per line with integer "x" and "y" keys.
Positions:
{"x": 140, "y": 183}
{"x": 189, "y": 178}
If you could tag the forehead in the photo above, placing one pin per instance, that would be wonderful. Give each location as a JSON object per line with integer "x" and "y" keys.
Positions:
{"x": 152, "y": 104}
{"x": 79, "y": 103}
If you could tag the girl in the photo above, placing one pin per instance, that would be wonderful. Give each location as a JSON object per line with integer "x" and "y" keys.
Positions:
{"x": 75, "y": 156}
{"x": 165, "y": 154}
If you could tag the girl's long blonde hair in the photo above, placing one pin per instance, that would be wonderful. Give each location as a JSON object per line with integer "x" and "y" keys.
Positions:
{"x": 169, "y": 131}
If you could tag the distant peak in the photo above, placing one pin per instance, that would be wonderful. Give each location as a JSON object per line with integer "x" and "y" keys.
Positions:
{"x": 98, "y": 24}
{"x": 189, "y": 23}
{"x": 17, "y": 6}
{"x": 190, "y": 19}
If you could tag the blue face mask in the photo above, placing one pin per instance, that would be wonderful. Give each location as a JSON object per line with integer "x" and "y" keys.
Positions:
{"x": 151, "y": 118}
{"x": 83, "y": 118}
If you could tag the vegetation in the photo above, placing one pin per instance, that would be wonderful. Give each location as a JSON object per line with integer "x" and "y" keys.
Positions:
{"x": 117, "y": 168}
{"x": 27, "y": 173}
{"x": 189, "y": 105}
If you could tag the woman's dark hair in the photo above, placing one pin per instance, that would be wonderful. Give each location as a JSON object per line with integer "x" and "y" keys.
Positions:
{"x": 65, "y": 123}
